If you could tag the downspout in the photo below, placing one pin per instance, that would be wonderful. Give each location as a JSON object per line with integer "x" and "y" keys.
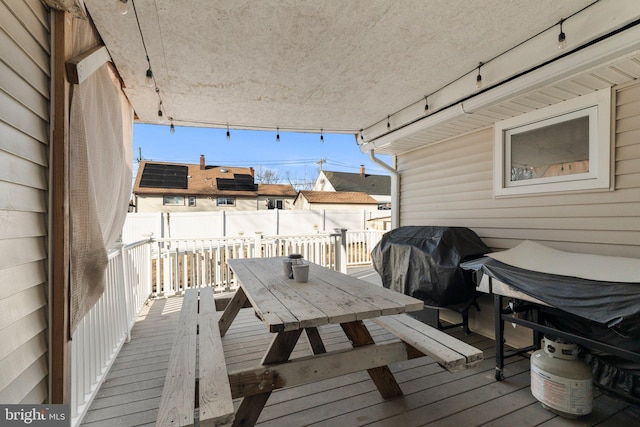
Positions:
{"x": 395, "y": 189}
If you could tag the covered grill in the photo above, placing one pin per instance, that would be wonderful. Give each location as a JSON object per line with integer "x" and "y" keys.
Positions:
{"x": 424, "y": 262}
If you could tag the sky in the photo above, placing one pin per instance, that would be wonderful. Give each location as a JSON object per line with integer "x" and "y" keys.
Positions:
{"x": 295, "y": 158}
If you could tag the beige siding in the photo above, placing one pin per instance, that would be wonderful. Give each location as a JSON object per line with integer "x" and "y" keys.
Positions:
{"x": 24, "y": 135}
{"x": 154, "y": 204}
{"x": 451, "y": 183}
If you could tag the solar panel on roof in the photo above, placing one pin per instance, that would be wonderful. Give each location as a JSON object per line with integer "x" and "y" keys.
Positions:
{"x": 239, "y": 182}
{"x": 157, "y": 175}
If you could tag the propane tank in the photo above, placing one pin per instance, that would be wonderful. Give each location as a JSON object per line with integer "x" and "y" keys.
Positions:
{"x": 560, "y": 381}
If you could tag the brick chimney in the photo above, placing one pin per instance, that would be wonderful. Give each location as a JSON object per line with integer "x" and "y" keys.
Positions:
{"x": 361, "y": 171}
{"x": 202, "y": 166}
{"x": 252, "y": 172}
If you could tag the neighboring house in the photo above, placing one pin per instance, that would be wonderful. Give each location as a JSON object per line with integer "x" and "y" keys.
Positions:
{"x": 174, "y": 187}
{"x": 345, "y": 200}
{"x": 376, "y": 186}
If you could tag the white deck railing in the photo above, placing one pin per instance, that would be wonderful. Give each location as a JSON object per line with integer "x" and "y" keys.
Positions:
{"x": 168, "y": 266}
{"x": 180, "y": 264}
{"x": 107, "y": 326}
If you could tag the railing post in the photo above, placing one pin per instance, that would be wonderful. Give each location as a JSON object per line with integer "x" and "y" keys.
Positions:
{"x": 257, "y": 249}
{"x": 341, "y": 252}
{"x": 125, "y": 293}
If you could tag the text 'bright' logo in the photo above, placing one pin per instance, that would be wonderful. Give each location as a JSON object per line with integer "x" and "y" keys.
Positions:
{"x": 27, "y": 416}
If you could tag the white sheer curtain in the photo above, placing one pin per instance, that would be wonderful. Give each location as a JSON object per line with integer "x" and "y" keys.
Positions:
{"x": 100, "y": 141}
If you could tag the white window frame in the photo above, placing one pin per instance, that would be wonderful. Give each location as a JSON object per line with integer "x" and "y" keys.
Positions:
{"x": 174, "y": 203}
{"x": 226, "y": 201}
{"x": 597, "y": 106}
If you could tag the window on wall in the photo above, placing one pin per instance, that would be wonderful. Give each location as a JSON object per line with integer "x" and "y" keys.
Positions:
{"x": 564, "y": 147}
{"x": 275, "y": 204}
{"x": 192, "y": 201}
{"x": 226, "y": 201}
{"x": 173, "y": 200}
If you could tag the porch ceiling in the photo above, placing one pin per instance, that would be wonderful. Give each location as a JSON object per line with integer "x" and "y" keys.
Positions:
{"x": 309, "y": 65}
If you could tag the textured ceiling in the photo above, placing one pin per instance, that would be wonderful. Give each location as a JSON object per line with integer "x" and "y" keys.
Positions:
{"x": 307, "y": 65}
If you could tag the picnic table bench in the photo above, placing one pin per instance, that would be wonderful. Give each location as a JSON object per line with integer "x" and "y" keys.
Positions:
{"x": 197, "y": 375}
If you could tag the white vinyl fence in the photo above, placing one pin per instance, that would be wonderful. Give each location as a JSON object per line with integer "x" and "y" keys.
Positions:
{"x": 196, "y": 225}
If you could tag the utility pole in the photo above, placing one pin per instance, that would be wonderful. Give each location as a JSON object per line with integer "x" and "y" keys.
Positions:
{"x": 321, "y": 162}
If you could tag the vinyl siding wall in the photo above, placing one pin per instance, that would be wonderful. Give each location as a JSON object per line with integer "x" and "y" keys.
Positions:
{"x": 24, "y": 136}
{"x": 451, "y": 183}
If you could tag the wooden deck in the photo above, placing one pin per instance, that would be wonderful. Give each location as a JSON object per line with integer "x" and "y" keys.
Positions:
{"x": 130, "y": 396}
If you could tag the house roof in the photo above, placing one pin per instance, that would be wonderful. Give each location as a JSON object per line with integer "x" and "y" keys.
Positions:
{"x": 211, "y": 181}
{"x": 370, "y": 184}
{"x": 335, "y": 65}
{"x": 280, "y": 190}
{"x": 338, "y": 197}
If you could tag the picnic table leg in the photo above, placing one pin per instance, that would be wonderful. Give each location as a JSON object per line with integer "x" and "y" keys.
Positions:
{"x": 279, "y": 351}
{"x": 231, "y": 311}
{"x": 315, "y": 342}
{"x": 382, "y": 377}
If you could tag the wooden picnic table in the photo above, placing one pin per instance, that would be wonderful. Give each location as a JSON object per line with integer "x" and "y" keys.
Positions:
{"x": 288, "y": 309}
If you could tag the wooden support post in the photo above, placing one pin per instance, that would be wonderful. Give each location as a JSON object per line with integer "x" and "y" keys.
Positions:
{"x": 279, "y": 351}
{"x": 382, "y": 377}
{"x": 60, "y": 363}
{"x": 231, "y": 311}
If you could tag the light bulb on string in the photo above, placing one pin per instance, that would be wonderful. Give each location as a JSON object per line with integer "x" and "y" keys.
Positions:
{"x": 479, "y": 76}
{"x": 361, "y": 135}
{"x": 148, "y": 78}
{"x": 122, "y": 7}
{"x": 172, "y": 128}
{"x": 277, "y": 134}
{"x": 321, "y": 137}
{"x": 426, "y": 104}
{"x": 562, "y": 38}
{"x": 228, "y": 133}
{"x": 160, "y": 114}
{"x": 388, "y": 123}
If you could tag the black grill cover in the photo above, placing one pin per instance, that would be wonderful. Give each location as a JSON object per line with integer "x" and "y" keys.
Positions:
{"x": 424, "y": 262}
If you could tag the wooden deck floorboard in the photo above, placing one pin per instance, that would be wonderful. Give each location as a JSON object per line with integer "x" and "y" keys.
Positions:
{"x": 130, "y": 395}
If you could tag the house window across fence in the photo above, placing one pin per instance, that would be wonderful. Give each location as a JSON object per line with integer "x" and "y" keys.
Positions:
{"x": 173, "y": 200}
{"x": 226, "y": 201}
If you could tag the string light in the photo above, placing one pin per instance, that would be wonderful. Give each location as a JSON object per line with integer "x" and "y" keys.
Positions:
{"x": 172, "y": 128}
{"x": 122, "y": 6}
{"x": 562, "y": 38}
{"x": 148, "y": 78}
{"x": 479, "y": 77}
{"x": 426, "y": 104}
{"x": 228, "y": 133}
{"x": 321, "y": 137}
{"x": 388, "y": 123}
{"x": 160, "y": 115}
{"x": 361, "y": 135}
{"x": 277, "y": 134}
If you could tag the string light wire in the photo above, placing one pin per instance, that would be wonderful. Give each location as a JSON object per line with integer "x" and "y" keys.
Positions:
{"x": 277, "y": 128}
